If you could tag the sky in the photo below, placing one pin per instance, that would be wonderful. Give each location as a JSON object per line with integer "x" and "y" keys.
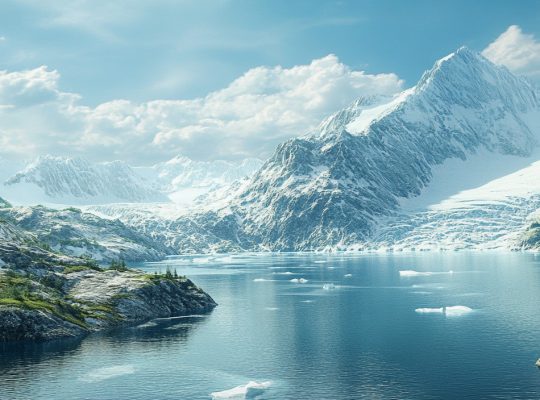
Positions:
{"x": 143, "y": 81}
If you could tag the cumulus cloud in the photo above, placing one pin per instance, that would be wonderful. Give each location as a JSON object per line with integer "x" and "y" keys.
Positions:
{"x": 249, "y": 117}
{"x": 518, "y": 51}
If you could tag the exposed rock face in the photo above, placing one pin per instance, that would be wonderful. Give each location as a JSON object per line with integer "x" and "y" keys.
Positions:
{"x": 77, "y": 233}
{"x": 19, "y": 324}
{"x": 45, "y": 295}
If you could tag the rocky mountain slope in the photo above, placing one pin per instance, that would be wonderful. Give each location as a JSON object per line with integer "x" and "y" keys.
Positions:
{"x": 339, "y": 187}
{"x": 45, "y": 295}
{"x": 77, "y": 233}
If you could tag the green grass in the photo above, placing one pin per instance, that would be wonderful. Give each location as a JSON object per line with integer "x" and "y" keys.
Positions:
{"x": 22, "y": 292}
{"x": 75, "y": 268}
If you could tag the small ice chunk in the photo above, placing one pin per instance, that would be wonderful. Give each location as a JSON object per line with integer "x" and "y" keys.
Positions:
{"x": 260, "y": 280}
{"x": 329, "y": 286}
{"x": 248, "y": 391}
{"x": 439, "y": 310}
{"x": 449, "y": 311}
{"x": 456, "y": 311}
{"x": 410, "y": 272}
{"x": 149, "y": 324}
{"x": 299, "y": 280}
{"x": 347, "y": 276}
{"x": 101, "y": 374}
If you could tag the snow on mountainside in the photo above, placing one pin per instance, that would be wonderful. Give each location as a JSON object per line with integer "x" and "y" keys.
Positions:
{"x": 341, "y": 186}
{"x": 77, "y": 181}
{"x": 183, "y": 179}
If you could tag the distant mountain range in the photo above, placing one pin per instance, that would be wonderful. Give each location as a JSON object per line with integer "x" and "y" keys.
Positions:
{"x": 451, "y": 163}
{"x": 445, "y": 164}
{"x": 76, "y": 181}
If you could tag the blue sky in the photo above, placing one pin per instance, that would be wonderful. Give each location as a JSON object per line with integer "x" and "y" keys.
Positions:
{"x": 144, "y": 81}
{"x": 182, "y": 49}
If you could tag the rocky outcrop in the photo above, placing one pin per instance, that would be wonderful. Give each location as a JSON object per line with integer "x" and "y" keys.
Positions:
{"x": 45, "y": 295}
{"x": 78, "y": 233}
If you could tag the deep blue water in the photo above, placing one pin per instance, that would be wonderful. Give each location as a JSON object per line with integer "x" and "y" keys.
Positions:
{"x": 362, "y": 339}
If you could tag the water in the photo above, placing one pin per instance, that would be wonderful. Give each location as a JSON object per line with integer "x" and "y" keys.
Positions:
{"x": 359, "y": 338}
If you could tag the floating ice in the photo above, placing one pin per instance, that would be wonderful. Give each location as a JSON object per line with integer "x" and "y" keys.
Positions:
{"x": 409, "y": 273}
{"x": 347, "y": 276}
{"x": 271, "y": 308}
{"x": 299, "y": 280}
{"x": 450, "y": 311}
{"x": 101, "y": 374}
{"x": 329, "y": 286}
{"x": 249, "y": 391}
{"x": 146, "y": 325}
{"x": 320, "y": 262}
{"x": 430, "y": 310}
{"x": 306, "y": 301}
{"x": 260, "y": 280}
{"x": 456, "y": 311}
{"x": 283, "y": 273}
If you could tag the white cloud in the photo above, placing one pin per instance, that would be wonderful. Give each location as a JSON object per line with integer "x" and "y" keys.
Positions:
{"x": 247, "y": 118}
{"x": 518, "y": 51}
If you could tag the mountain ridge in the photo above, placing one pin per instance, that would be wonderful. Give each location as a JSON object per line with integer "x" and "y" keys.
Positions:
{"x": 331, "y": 188}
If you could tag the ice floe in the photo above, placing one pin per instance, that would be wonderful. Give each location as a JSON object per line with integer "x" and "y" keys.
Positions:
{"x": 251, "y": 390}
{"x": 101, "y": 374}
{"x": 410, "y": 273}
{"x": 347, "y": 276}
{"x": 299, "y": 280}
{"x": 450, "y": 311}
{"x": 329, "y": 286}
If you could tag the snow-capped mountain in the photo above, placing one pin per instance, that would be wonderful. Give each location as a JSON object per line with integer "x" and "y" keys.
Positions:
{"x": 77, "y": 181}
{"x": 380, "y": 165}
{"x": 183, "y": 179}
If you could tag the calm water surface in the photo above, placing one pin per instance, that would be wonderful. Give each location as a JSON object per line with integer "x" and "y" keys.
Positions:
{"x": 363, "y": 338}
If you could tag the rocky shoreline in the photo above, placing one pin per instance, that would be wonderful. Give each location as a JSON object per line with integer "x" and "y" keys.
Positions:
{"x": 46, "y": 295}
